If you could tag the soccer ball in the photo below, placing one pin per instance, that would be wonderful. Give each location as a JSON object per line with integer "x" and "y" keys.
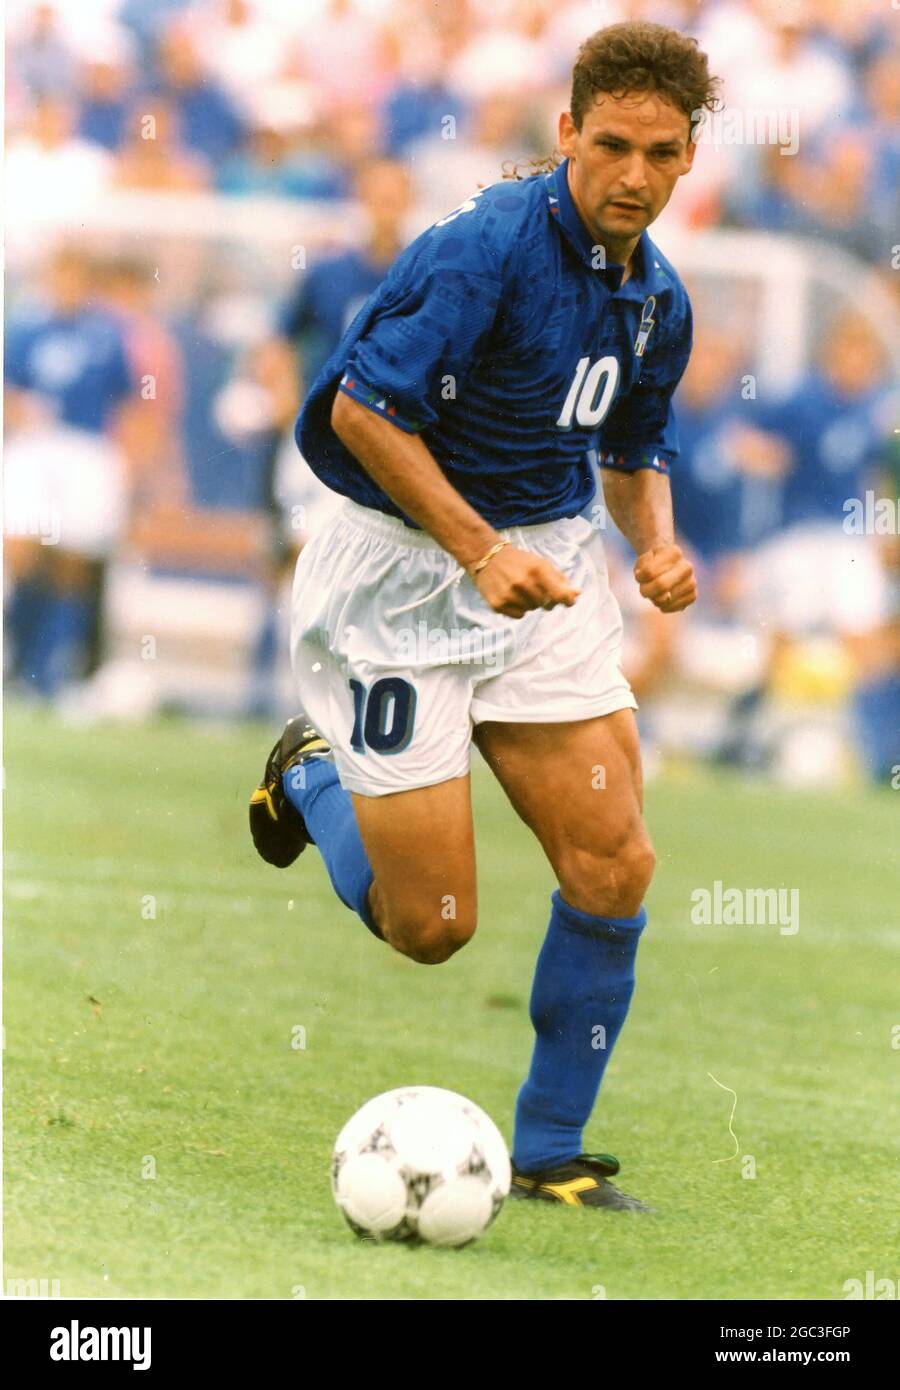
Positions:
{"x": 420, "y": 1164}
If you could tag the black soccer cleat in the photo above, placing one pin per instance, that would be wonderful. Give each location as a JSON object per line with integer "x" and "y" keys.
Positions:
{"x": 279, "y": 831}
{"x": 582, "y": 1182}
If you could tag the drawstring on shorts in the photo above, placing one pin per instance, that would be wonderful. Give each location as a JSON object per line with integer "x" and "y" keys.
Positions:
{"x": 453, "y": 578}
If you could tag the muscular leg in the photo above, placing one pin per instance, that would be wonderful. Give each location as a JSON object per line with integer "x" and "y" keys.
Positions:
{"x": 404, "y": 862}
{"x": 578, "y": 787}
{"x": 421, "y": 847}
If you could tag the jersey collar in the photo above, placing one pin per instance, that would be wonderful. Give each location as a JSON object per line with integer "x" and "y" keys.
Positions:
{"x": 644, "y": 271}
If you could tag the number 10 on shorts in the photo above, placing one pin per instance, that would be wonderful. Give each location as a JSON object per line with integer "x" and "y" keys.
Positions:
{"x": 383, "y": 715}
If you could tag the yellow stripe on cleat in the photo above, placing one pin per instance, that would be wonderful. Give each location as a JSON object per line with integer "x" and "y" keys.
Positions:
{"x": 262, "y": 795}
{"x": 568, "y": 1191}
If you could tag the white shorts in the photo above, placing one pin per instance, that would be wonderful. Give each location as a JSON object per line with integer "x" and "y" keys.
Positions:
{"x": 65, "y": 487}
{"x": 815, "y": 578}
{"x": 397, "y": 656}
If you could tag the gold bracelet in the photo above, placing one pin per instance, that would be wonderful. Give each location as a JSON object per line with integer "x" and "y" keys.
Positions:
{"x": 486, "y": 559}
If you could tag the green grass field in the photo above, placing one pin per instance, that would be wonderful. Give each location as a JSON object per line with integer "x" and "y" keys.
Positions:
{"x": 139, "y": 1044}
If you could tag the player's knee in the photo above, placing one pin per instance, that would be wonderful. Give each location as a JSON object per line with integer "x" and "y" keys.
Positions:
{"x": 639, "y": 862}
{"x": 429, "y": 939}
{"x": 602, "y": 880}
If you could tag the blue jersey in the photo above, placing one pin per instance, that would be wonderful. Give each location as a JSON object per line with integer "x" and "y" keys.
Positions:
{"x": 77, "y": 362}
{"x": 837, "y": 441}
{"x": 330, "y": 296}
{"x": 719, "y": 507}
{"x": 501, "y": 338}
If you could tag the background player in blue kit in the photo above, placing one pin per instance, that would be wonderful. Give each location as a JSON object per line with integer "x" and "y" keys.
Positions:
{"x": 330, "y": 295}
{"x": 68, "y": 379}
{"x": 532, "y": 324}
{"x": 309, "y": 326}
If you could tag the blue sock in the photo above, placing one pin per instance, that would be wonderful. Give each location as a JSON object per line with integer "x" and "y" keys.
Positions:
{"x": 314, "y": 790}
{"x": 583, "y": 983}
{"x": 25, "y": 621}
{"x": 63, "y": 648}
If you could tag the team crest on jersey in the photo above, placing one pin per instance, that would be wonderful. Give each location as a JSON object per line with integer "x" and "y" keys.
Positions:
{"x": 646, "y": 325}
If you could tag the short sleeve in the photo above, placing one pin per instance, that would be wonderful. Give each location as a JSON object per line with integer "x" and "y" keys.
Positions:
{"x": 431, "y": 330}
{"x": 640, "y": 430}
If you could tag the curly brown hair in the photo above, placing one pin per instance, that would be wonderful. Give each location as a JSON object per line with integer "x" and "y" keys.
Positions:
{"x": 635, "y": 56}
{"x": 638, "y": 56}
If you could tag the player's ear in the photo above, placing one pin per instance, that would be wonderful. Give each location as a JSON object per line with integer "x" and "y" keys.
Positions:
{"x": 567, "y": 133}
{"x": 690, "y": 151}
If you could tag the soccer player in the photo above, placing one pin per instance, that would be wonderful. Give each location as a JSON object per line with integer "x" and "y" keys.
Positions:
{"x": 310, "y": 325}
{"x": 69, "y": 382}
{"x": 453, "y": 600}
{"x": 337, "y": 285}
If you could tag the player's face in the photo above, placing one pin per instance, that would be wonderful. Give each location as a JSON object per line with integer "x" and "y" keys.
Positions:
{"x": 385, "y": 194}
{"x": 852, "y": 357}
{"x": 625, "y": 161}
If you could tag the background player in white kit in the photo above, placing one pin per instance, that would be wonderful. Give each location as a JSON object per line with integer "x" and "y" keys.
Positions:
{"x": 535, "y": 322}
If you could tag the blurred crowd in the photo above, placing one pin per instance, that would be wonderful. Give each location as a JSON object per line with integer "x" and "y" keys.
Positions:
{"x": 267, "y": 96}
{"x": 166, "y": 423}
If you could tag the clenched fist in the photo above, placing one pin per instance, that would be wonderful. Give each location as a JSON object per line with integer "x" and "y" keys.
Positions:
{"x": 515, "y": 581}
{"x": 666, "y": 577}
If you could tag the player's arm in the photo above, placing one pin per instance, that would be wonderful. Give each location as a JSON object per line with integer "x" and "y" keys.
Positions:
{"x": 439, "y": 321}
{"x": 277, "y": 363}
{"x": 23, "y": 406}
{"x": 514, "y": 580}
{"x": 23, "y": 410}
{"x": 640, "y": 503}
{"x": 638, "y": 444}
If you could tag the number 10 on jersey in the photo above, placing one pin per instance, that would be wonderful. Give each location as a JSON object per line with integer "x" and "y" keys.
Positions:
{"x": 591, "y": 394}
